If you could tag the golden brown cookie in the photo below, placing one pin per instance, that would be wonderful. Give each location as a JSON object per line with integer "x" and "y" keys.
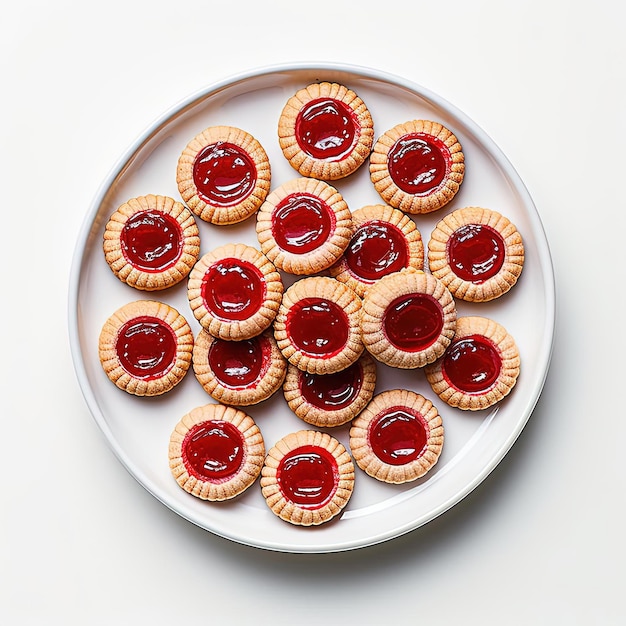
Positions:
{"x": 477, "y": 253}
{"x": 304, "y": 226}
{"x": 216, "y": 452}
{"x": 325, "y": 131}
{"x": 234, "y": 291}
{"x": 328, "y": 400}
{"x": 318, "y": 325}
{"x": 417, "y": 166}
{"x": 383, "y": 240}
{"x": 307, "y": 478}
{"x": 480, "y": 366}
{"x": 151, "y": 242}
{"x": 242, "y": 372}
{"x": 408, "y": 319}
{"x": 398, "y": 437}
{"x": 145, "y": 347}
{"x": 223, "y": 175}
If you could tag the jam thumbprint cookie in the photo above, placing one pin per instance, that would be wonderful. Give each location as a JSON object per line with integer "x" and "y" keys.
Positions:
{"x": 234, "y": 291}
{"x": 317, "y": 327}
{"x": 216, "y": 452}
{"x": 479, "y": 368}
{"x": 408, "y": 320}
{"x": 307, "y": 478}
{"x": 398, "y": 437}
{"x": 417, "y": 166}
{"x": 223, "y": 175}
{"x": 146, "y": 347}
{"x": 325, "y": 131}
{"x": 304, "y": 226}
{"x": 239, "y": 372}
{"x": 478, "y": 253}
{"x": 384, "y": 240}
{"x": 328, "y": 400}
{"x": 151, "y": 242}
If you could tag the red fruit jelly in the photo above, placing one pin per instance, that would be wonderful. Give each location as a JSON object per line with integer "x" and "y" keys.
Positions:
{"x": 151, "y": 241}
{"x": 146, "y": 347}
{"x": 398, "y": 436}
{"x": 472, "y": 364}
{"x": 327, "y": 129}
{"x": 418, "y": 163}
{"x": 224, "y": 174}
{"x": 213, "y": 451}
{"x": 308, "y": 476}
{"x": 233, "y": 290}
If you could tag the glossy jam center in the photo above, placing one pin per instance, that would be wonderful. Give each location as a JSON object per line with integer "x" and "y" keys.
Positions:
{"x": 213, "y": 450}
{"x": 233, "y": 289}
{"x": 332, "y": 392}
{"x": 302, "y": 222}
{"x": 239, "y": 364}
{"x": 151, "y": 241}
{"x": 224, "y": 174}
{"x": 376, "y": 249}
{"x": 308, "y": 476}
{"x": 146, "y": 347}
{"x": 413, "y": 322}
{"x": 317, "y": 327}
{"x": 327, "y": 129}
{"x": 476, "y": 252}
{"x": 398, "y": 436}
{"x": 472, "y": 364}
{"x": 418, "y": 163}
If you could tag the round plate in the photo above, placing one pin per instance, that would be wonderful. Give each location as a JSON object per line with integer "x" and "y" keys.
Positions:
{"x": 138, "y": 429}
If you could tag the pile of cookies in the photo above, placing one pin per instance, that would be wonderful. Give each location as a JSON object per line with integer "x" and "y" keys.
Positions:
{"x": 367, "y": 291}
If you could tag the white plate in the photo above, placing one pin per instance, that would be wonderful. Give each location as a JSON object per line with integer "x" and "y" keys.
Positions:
{"x": 138, "y": 429}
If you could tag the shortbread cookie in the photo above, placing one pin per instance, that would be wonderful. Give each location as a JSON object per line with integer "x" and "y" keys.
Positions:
{"x": 408, "y": 319}
{"x": 307, "y": 478}
{"x": 304, "y": 226}
{"x": 234, "y": 291}
{"x": 398, "y": 437}
{"x": 480, "y": 366}
{"x": 145, "y": 347}
{"x": 318, "y": 325}
{"x": 328, "y": 400}
{"x": 151, "y": 242}
{"x": 216, "y": 452}
{"x": 325, "y": 131}
{"x": 239, "y": 373}
{"x": 384, "y": 240}
{"x": 417, "y": 166}
{"x": 477, "y": 253}
{"x": 223, "y": 175}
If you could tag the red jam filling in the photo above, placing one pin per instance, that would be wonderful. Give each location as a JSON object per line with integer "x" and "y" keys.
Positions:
{"x": 308, "y": 476}
{"x": 413, "y": 322}
{"x": 151, "y": 241}
{"x": 224, "y": 174}
{"x": 376, "y": 249}
{"x": 418, "y": 163}
{"x": 213, "y": 451}
{"x": 302, "y": 222}
{"x": 332, "y": 392}
{"x": 472, "y": 364}
{"x": 317, "y": 327}
{"x": 327, "y": 129}
{"x": 146, "y": 347}
{"x": 398, "y": 435}
{"x": 233, "y": 290}
{"x": 476, "y": 252}
{"x": 239, "y": 364}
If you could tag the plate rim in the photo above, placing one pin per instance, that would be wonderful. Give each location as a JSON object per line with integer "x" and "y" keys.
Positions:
{"x": 545, "y": 260}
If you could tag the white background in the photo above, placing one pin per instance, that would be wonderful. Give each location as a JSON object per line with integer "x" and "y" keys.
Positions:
{"x": 541, "y": 541}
